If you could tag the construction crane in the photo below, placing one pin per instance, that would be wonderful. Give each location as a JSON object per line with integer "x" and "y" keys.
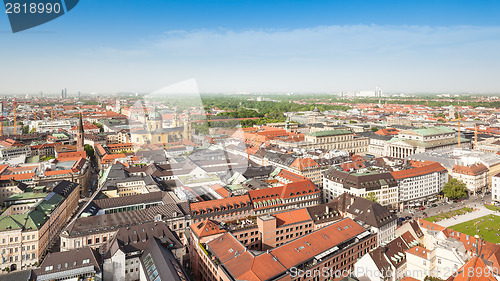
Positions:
{"x": 458, "y": 123}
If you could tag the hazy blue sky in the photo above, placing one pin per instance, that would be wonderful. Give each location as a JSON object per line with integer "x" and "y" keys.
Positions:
{"x": 254, "y": 46}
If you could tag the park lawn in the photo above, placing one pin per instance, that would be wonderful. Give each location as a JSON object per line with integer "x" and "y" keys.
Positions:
{"x": 449, "y": 214}
{"x": 483, "y": 222}
{"x": 491, "y": 207}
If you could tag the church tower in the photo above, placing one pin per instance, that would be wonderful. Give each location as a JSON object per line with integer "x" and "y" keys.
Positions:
{"x": 80, "y": 135}
{"x": 188, "y": 132}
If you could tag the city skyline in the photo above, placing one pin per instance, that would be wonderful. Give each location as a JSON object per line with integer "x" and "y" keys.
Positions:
{"x": 245, "y": 46}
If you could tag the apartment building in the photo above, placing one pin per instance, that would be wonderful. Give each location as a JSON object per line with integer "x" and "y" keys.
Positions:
{"x": 11, "y": 149}
{"x": 420, "y": 184}
{"x": 383, "y": 186}
{"x": 306, "y": 167}
{"x": 222, "y": 210}
{"x": 121, "y": 254}
{"x": 388, "y": 262}
{"x": 78, "y": 264}
{"x": 15, "y": 179}
{"x": 372, "y": 216}
{"x": 495, "y": 188}
{"x": 95, "y": 230}
{"x": 291, "y": 191}
{"x": 26, "y": 236}
{"x": 338, "y": 246}
{"x": 74, "y": 169}
{"x": 474, "y": 176}
{"x": 337, "y": 140}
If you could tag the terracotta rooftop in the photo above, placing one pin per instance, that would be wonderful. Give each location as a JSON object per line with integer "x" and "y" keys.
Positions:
{"x": 244, "y": 265}
{"x": 475, "y": 265}
{"x": 419, "y": 252}
{"x": 218, "y": 205}
{"x": 472, "y": 170}
{"x": 291, "y": 217}
{"x": 423, "y": 170}
{"x": 206, "y": 228}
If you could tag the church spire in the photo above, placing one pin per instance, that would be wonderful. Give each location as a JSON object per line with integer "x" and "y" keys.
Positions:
{"x": 80, "y": 135}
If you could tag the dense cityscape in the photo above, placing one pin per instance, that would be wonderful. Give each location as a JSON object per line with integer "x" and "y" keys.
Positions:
{"x": 350, "y": 185}
{"x": 249, "y": 140}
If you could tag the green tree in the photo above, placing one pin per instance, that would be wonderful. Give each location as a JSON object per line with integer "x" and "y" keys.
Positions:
{"x": 374, "y": 129}
{"x": 455, "y": 189}
{"x": 90, "y": 151}
{"x": 47, "y": 158}
{"x": 101, "y": 129}
{"x": 371, "y": 196}
{"x": 26, "y": 130}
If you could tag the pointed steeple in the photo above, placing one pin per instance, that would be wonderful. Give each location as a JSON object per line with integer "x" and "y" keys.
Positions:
{"x": 80, "y": 134}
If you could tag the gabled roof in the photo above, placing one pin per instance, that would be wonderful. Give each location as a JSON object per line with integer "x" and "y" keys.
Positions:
{"x": 303, "y": 164}
{"x": 70, "y": 260}
{"x": 419, "y": 252}
{"x": 136, "y": 238}
{"x": 477, "y": 266}
{"x": 395, "y": 252}
{"x": 207, "y": 228}
{"x": 473, "y": 170}
{"x": 370, "y": 212}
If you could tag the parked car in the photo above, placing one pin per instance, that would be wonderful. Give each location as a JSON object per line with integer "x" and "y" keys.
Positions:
{"x": 421, "y": 208}
{"x": 401, "y": 219}
{"x": 434, "y": 205}
{"x": 408, "y": 218}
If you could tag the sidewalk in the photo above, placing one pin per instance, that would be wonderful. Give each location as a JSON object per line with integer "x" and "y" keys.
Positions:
{"x": 478, "y": 212}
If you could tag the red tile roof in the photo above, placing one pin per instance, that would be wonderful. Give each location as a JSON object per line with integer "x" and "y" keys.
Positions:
{"x": 387, "y": 132}
{"x": 244, "y": 265}
{"x": 75, "y": 154}
{"x": 419, "y": 252}
{"x": 290, "y": 217}
{"x": 473, "y": 170}
{"x": 423, "y": 170}
{"x": 218, "y": 204}
{"x": 206, "y": 228}
{"x": 480, "y": 272}
{"x": 220, "y": 190}
{"x": 303, "y": 164}
{"x": 109, "y": 158}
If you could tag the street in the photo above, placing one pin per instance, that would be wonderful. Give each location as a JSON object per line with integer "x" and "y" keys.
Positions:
{"x": 443, "y": 207}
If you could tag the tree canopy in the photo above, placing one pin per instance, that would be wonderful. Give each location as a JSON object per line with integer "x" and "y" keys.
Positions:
{"x": 455, "y": 189}
{"x": 371, "y": 196}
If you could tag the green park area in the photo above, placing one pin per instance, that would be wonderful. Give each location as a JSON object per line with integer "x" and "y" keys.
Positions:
{"x": 488, "y": 227}
{"x": 448, "y": 215}
{"x": 493, "y": 208}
